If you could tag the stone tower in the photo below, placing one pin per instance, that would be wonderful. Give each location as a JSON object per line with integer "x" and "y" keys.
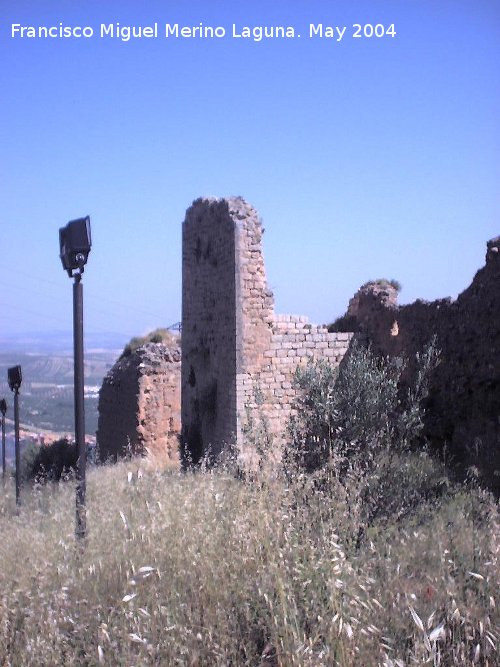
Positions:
{"x": 227, "y": 313}
{"x": 238, "y": 357}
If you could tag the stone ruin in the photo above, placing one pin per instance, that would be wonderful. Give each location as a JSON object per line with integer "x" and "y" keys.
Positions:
{"x": 140, "y": 404}
{"x": 463, "y": 408}
{"x": 235, "y": 349}
{"x": 234, "y": 346}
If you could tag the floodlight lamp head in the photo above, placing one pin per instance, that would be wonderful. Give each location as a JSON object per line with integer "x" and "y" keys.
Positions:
{"x": 74, "y": 244}
{"x": 3, "y": 407}
{"x": 15, "y": 377}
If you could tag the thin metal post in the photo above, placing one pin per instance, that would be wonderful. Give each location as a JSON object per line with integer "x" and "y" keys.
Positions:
{"x": 3, "y": 449}
{"x": 17, "y": 447}
{"x": 81, "y": 523}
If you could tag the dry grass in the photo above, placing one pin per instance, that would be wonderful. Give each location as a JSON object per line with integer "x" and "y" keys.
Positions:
{"x": 202, "y": 569}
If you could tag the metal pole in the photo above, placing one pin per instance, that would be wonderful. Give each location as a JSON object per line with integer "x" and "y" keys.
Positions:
{"x": 18, "y": 457}
{"x": 79, "y": 406}
{"x": 3, "y": 449}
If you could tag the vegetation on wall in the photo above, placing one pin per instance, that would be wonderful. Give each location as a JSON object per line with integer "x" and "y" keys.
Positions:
{"x": 383, "y": 282}
{"x": 160, "y": 335}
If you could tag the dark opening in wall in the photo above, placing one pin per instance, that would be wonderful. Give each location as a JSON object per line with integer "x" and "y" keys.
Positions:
{"x": 192, "y": 449}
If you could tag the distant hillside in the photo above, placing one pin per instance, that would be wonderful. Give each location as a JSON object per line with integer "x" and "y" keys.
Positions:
{"x": 55, "y": 368}
{"x": 46, "y": 400}
{"x": 60, "y": 342}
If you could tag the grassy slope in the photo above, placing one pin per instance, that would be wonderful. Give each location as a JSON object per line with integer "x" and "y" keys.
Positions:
{"x": 206, "y": 570}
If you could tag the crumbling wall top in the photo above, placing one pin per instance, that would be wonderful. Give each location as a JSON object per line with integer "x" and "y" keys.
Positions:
{"x": 237, "y": 208}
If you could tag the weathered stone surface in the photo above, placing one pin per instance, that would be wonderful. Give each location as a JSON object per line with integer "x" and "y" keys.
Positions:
{"x": 239, "y": 357}
{"x": 139, "y": 404}
{"x": 463, "y": 410}
{"x": 234, "y": 346}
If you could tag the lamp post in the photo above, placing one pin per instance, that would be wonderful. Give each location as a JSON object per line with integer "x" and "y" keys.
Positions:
{"x": 3, "y": 410}
{"x": 15, "y": 377}
{"x": 75, "y": 243}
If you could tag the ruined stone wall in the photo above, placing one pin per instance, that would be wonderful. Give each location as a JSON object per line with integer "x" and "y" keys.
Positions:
{"x": 233, "y": 343}
{"x": 270, "y": 391}
{"x": 139, "y": 404}
{"x": 239, "y": 357}
{"x": 463, "y": 409}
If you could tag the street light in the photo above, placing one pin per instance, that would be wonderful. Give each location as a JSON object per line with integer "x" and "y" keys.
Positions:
{"x": 3, "y": 410}
{"x": 15, "y": 378}
{"x": 75, "y": 243}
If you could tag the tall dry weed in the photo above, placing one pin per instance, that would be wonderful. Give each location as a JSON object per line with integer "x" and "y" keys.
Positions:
{"x": 200, "y": 568}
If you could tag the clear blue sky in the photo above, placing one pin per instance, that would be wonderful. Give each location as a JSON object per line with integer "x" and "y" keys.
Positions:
{"x": 366, "y": 158}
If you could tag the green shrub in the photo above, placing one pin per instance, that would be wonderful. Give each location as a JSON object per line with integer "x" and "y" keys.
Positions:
{"x": 28, "y": 454}
{"x": 355, "y": 433}
{"x": 54, "y": 461}
{"x": 357, "y": 409}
